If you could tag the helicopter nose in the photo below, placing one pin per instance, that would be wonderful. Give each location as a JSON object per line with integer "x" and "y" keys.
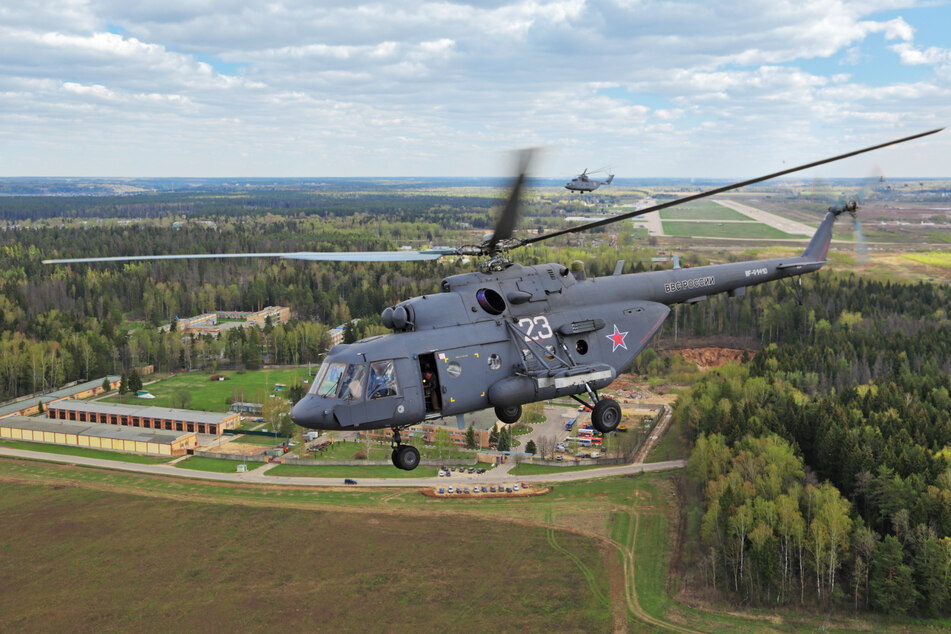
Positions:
{"x": 311, "y": 412}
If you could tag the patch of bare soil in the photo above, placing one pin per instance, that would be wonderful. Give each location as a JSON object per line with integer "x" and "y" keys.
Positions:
{"x": 628, "y": 390}
{"x": 711, "y": 357}
{"x": 241, "y": 448}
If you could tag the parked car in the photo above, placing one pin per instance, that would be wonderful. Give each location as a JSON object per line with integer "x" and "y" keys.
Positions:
{"x": 441, "y": 490}
{"x": 515, "y": 487}
{"x": 480, "y": 470}
{"x": 450, "y": 489}
{"x": 557, "y": 457}
{"x": 471, "y": 469}
{"x": 467, "y": 489}
{"x": 483, "y": 488}
{"x": 508, "y": 489}
{"x": 492, "y": 489}
{"x": 349, "y": 481}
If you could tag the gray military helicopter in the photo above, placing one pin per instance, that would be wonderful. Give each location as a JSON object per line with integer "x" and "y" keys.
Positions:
{"x": 583, "y": 183}
{"x": 508, "y": 334}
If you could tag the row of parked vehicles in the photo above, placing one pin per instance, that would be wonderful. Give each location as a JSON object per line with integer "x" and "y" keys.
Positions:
{"x": 465, "y": 490}
{"x": 445, "y": 472}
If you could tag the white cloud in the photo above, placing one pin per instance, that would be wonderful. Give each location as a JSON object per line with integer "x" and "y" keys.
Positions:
{"x": 419, "y": 87}
{"x": 930, "y": 56}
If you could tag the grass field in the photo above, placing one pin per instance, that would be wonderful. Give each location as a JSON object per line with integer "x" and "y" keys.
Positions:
{"x": 589, "y": 556}
{"x": 216, "y": 567}
{"x": 199, "y": 463}
{"x": 359, "y": 471}
{"x": 741, "y": 230}
{"x": 671, "y": 446}
{"x": 263, "y": 441}
{"x": 210, "y": 396}
{"x": 703, "y": 211}
{"x": 541, "y": 469}
{"x": 940, "y": 259}
{"x": 345, "y": 450}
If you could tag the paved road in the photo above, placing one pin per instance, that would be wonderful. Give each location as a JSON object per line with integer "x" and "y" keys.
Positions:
{"x": 492, "y": 476}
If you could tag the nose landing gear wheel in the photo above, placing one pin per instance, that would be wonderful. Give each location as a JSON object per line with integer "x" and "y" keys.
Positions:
{"x": 509, "y": 414}
{"x": 606, "y": 415}
{"x": 405, "y": 457}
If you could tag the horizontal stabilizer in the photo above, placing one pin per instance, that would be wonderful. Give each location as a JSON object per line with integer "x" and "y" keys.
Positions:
{"x": 793, "y": 265}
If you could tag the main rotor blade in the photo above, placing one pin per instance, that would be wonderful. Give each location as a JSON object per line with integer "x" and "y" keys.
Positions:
{"x": 718, "y": 190}
{"x": 508, "y": 218}
{"x": 325, "y": 256}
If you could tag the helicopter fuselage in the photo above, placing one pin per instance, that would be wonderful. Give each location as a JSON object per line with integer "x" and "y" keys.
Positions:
{"x": 584, "y": 184}
{"x": 514, "y": 336}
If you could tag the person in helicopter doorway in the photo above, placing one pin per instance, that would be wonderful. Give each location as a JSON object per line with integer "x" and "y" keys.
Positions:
{"x": 430, "y": 392}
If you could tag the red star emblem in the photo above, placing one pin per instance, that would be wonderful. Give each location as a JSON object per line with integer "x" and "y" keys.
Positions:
{"x": 617, "y": 339}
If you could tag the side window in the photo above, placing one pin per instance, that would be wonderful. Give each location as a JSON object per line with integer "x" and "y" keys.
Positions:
{"x": 351, "y": 385}
{"x": 383, "y": 379}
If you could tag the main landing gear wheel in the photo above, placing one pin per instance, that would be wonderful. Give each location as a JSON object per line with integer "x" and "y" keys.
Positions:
{"x": 406, "y": 457}
{"x": 509, "y": 414}
{"x": 606, "y": 415}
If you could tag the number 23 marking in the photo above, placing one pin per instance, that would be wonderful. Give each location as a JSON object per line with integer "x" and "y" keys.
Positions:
{"x": 544, "y": 329}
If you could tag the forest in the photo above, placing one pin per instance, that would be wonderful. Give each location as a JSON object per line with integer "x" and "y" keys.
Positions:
{"x": 821, "y": 470}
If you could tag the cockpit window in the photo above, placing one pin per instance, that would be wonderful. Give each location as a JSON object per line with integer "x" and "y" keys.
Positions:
{"x": 351, "y": 385}
{"x": 328, "y": 379}
{"x": 383, "y": 379}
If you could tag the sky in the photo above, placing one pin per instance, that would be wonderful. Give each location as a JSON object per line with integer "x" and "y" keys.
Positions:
{"x": 297, "y": 88}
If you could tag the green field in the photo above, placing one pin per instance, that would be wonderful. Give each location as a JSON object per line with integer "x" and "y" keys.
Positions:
{"x": 587, "y": 556}
{"x": 211, "y": 396}
{"x": 215, "y": 566}
{"x": 303, "y": 569}
{"x": 706, "y": 210}
{"x": 199, "y": 463}
{"x": 262, "y": 441}
{"x": 941, "y": 259}
{"x": 359, "y": 471}
{"x": 346, "y": 450}
{"x": 671, "y": 446}
{"x": 541, "y": 469}
{"x": 747, "y": 230}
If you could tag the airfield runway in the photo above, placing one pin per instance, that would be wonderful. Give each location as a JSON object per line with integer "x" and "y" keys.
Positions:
{"x": 656, "y": 228}
{"x": 492, "y": 476}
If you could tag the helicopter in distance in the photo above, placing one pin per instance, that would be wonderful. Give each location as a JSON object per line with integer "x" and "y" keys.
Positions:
{"x": 583, "y": 183}
{"x": 507, "y": 334}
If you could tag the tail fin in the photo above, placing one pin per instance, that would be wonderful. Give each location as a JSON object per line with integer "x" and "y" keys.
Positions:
{"x": 610, "y": 178}
{"x": 819, "y": 245}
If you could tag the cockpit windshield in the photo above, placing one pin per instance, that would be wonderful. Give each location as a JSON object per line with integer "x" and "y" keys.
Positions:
{"x": 340, "y": 380}
{"x": 328, "y": 379}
